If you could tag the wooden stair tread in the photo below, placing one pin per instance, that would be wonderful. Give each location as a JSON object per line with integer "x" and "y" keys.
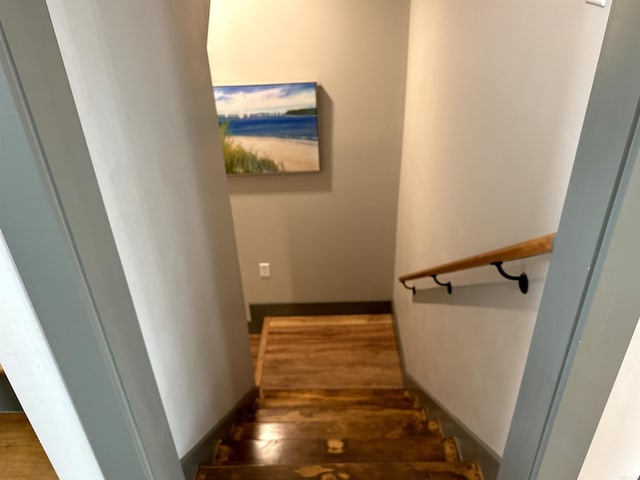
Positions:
{"x": 351, "y": 471}
{"x": 329, "y": 353}
{"x": 399, "y": 403}
{"x": 320, "y": 414}
{"x": 330, "y": 320}
{"x": 388, "y": 398}
{"x": 341, "y": 392}
{"x": 375, "y": 428}
{"x": 348, "y": 417}
{"x": 310, "y": 451}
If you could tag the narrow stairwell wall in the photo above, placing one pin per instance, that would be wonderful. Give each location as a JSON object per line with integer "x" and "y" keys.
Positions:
{"x": 329, "y": 236}
{"x": 139, "y": 76}
{"x": 496, "y": 95}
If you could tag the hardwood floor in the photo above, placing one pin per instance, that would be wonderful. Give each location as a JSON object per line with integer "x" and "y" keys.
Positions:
{"x": 353, "y": 351}
{"x": 21, "y": 455}
{"x": 339, "y": 471}
{"x": 294, "y": 451}
{"x": 331, "y": 407}
{"x": 356, "y": 434}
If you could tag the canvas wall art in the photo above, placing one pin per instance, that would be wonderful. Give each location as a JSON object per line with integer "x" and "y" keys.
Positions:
{"x": 268, "y": 128}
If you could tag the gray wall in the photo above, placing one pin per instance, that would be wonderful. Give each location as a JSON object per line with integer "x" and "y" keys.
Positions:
{"x": 139, "y": 77}
{"x": 328, "y": 236}
{"x": 590, "y": 305}
{"x": 71, "y": 343}
{"x": 8, "y": 400}
{"x": 496, "y": 96}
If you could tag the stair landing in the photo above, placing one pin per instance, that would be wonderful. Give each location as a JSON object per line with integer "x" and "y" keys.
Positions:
{"x": 346, "y": 351}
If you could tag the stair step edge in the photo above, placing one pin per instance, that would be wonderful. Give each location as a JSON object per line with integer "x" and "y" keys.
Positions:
{"x": 355, "y": 471}
{"x": 271, "y": 452}
{"x": 360, "y": 430}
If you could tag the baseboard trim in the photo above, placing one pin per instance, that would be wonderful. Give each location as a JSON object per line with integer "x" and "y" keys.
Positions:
{"x": 261, "y": 310}
{"x": 202, "y": 452}
{"x": 471, "y": 446}
{"x": 396, "y": 329}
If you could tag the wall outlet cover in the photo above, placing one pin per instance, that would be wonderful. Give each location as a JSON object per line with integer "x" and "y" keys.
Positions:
{"x": 265, "y": 270}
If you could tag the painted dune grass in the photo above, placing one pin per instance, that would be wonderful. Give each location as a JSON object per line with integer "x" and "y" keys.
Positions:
{"x": 239, "y": 160}
{"x": 268, "y": 128}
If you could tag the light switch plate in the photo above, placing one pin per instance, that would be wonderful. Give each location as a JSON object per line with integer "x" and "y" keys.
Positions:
{"x": 600, "y": 3}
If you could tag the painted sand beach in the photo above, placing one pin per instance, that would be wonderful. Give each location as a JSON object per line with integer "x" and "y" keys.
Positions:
{"x": 290, "y": 155}
{"x": 269, "y": 128}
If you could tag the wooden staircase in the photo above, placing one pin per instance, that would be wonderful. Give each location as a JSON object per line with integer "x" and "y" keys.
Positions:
{"x": 337, "y": 434}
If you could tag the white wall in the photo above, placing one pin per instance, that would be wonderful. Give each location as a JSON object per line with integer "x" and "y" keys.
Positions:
{"x": 613, "y": 451}
{"x": 496, "y": 95}
{"x": 328, "y": 236}
{"x": 140, "y": 80}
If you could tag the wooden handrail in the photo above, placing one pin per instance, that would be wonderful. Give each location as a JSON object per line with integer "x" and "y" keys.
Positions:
{"x": 530, "y": 248}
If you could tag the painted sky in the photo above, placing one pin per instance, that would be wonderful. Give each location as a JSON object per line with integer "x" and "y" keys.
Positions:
{"x": 277, "y": 98}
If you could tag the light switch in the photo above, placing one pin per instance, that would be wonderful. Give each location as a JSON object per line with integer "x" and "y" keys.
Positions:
{"x": 600, "y": 3}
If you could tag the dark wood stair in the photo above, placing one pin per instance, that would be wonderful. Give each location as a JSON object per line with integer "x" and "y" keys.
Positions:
{"x": 379, "y": 428}
{"x": 353, "y": 471}
{"x": 341, "y": 434}
{"x": 302, "y": 451}
{"x": 332, "y": 414}
{"x": 326, "y": 397}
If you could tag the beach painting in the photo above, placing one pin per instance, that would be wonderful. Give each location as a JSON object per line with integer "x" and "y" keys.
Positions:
{"x": 268, "y": 128}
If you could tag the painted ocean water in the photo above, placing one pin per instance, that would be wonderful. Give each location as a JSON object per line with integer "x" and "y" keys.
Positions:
{"x": 294, "y": 127}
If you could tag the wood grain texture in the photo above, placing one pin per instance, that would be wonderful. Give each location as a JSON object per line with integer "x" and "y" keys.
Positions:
{"x": 310, "y": 451}
{"x": 320, "y": 414}
{"x": 21, "y": 455}
{"x": 375, "y": 428}
{"x": 529, "y": 248}
{"x": 262, "y": 349}
{"x": 254, "y": 343}
{"x": 330, "y": 352}
{"x": 330, "y": 320}
{"x": 331, "y": 407}
{"x": 381, "y": 397}
{"x": 338, "y": 471}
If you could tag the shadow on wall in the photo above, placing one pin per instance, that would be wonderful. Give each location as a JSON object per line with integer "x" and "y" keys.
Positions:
{"x": 503, "y": 294}
{"x": 297, "y": 182}
{"x": 494, "y": 295}
{"x": 8, "y": 400}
